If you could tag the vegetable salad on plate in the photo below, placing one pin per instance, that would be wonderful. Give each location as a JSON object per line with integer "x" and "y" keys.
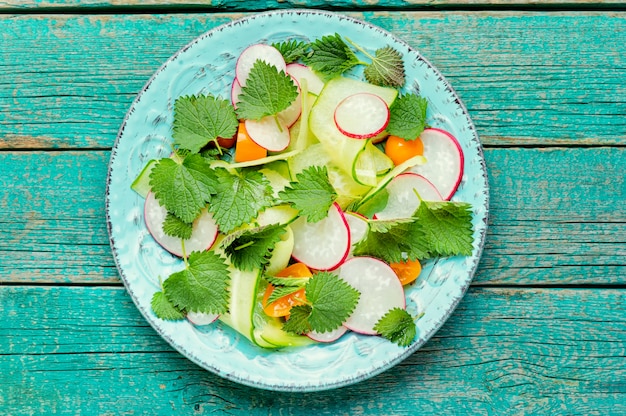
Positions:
{"x": 304, "y": 200}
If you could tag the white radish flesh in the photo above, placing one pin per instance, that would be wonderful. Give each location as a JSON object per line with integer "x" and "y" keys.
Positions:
{"x": 299, "y": 72}
{"x": 202, "y": 237}
{"x": 322, "y": 245}
{"x": 292, "y": 113}
{"x": 201, "y": 318}
{"x": 403, "y": 198}
{"x": 258, "y": 52}
{"x": 358, "y": 226}
{"x": 380, "y": 291}
{"x": 330, "y": 336}
{"x": 362, "y": 115}
{"x": 444, "y": 161}
{"x": 269, "y": 132}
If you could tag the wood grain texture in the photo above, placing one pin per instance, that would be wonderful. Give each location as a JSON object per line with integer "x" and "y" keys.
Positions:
{"x": 528, "y": 79}
{"x": 504, "y": 351}
{"x": 251, "y": 5}
{"x": 557, "y": 216}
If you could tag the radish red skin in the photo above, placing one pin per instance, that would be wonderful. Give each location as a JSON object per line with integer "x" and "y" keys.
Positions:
{"x": 448, "y": 191}
{"x": 253, "y": 53}
{"x": 379, "y": 127}
{"x": 171, "y": 244}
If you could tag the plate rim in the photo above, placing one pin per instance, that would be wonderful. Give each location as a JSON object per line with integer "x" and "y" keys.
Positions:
{"x": 408, "y": 351}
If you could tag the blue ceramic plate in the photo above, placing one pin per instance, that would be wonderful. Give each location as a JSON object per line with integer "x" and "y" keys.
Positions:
{"x": 206, "y": 65}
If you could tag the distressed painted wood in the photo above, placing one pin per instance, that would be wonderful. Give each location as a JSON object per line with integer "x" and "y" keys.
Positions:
{"x": 504, "y": 351}
{"x": 557, "y": 217}
{"x": 249, "y": 5}
{"x": 527, "y": 78}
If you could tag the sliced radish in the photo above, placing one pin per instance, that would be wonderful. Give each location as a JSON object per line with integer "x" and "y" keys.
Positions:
{"x": 444, "y": 161}
{"x": 403, "y": 197}
{"x": 322, "y": 245}
{"x": 358, "y": 226}
{"x": 330, "y": 336}
{"x": 270, "y": 132}
{"x": 292, "y": 113}
{"x": 202, "y": 237}
{"x": 299, "y": 72}
{"x": 201, "y": 318}
{"x": 235, "y": 91}
{"x": 251, "y": 54}
{"x": 362, "y": 115}
{"x": 380, "y": 290}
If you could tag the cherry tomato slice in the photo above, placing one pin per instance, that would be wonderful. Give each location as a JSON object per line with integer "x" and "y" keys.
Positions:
{"x": 400, "y": 150}
{"x": 282, "y": 306}
{"x": 407, "y": 271}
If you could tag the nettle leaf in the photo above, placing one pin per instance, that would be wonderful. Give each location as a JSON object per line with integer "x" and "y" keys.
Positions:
{"x": 391, "y": 241}
{"x": 311, "y": 193}
{"x": 201, "y": 119}
{"x": 447, "y": 227}
{"x": 252, "y": 249}
{"x": 332, "y": 300}
{"x": 298, "y": 322}
{"x": 183, "y": 188}
{"x": 386, "y": 69}
{"x": 331, "y": 56}
{"x": 280, "y": 291}
{"x": 202, "y": 286}
{"x": 292, "y": 50}
{"x": 398, "y": 326}
{"x": 266, "y": 93}
{"x": 175, "y": 227}
{"x": 238, "y": 198}
{"x": 407, "y": 116}
{"x": 164, "y": 309}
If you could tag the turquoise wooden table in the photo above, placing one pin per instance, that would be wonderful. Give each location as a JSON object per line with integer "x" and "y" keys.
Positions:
{"x": 542, "y": 329}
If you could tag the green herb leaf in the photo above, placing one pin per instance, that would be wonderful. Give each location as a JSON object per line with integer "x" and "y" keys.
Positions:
{"x": 183, "y": 188}
{"x": 175, "y": 227}
{"x": 391, "y": 241}
{"x": 447, "y": 227}
{"x": 298, "y": 322}
{"x": 407, "y": 116}
{"x": 266, "y": 93}
{"x": 280, "y": 291}
{"x": 251, "y": 249}
{"x": 330, "y": 300}
{"x": 287, "y": 281}
{"x": 375, "y": 204}
{"x": 398, "y": 326}
{"x": 386, "y": 69}
{"x": 163, "y": 309}
{"x": 311, "y": 193}
{"x": 331, "y": 56}
{"x": 202, "y": 286}
{"x": 292, "y": 50}
{"x": 238, "y": 198}
{"x": 201, "y": 119}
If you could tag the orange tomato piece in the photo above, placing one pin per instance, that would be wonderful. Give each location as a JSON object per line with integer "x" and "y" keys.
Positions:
{"x": 400, "y": 150}
{"x": 282, "y": 306}
{"x": 407, "y": 271}
{"x": 245, "y": 148}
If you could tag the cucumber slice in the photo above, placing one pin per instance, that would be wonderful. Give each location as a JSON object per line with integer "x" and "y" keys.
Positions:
{"x": 281, "y": 253}
{"x": 348, "y": 190}
{"x": 370, "y": 164}
{"x": 141, "y": 184}
{"x": 274, "y": 334}
{"x": 343, "y": 150}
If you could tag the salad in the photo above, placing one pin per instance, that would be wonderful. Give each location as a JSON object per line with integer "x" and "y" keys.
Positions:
{"x": 304, "y": 202}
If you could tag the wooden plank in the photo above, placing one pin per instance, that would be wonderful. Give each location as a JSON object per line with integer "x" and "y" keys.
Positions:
{"x": 250, "y": 5}
{"x": 504, "y": 351}
{"x": 544, "y": 227}
{"x": 66, "y": 81}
